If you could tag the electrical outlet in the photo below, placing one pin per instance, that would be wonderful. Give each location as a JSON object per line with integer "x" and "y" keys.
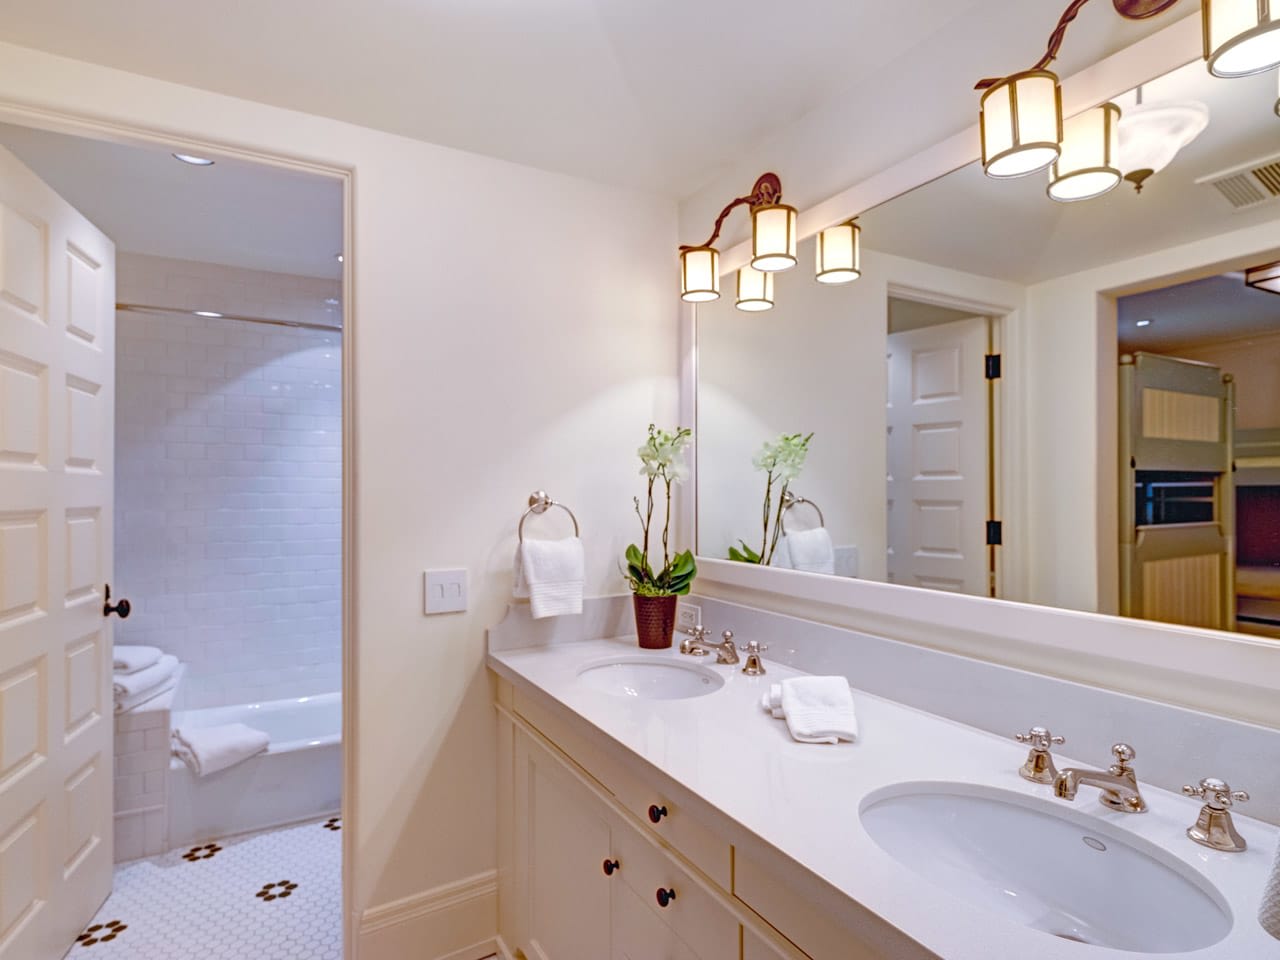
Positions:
{"x": 444, "y": 591}
{"x": 688, "y": 615}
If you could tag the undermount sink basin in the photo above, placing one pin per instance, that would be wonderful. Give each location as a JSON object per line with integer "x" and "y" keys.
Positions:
{"x": 649, "y": 678}
{"x": 1047, "y": 866}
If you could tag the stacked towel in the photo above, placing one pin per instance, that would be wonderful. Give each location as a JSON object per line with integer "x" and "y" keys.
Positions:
{"x": 134, "y": 689}
{"x": 207, "y": 750}
{"x": 817, "y": 709}
{"x": 1269, "y": 909}
{"x": 811, "y": 550}
{"x": 551, "y": 574}
{"x": 129, "y": 659}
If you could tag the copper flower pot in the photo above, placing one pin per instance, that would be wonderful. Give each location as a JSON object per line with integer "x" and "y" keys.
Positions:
{"x": 655, "y": 621}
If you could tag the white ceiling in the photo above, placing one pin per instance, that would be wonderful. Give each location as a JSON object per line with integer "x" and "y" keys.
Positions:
{"x": 1010, "y": 229}
{"x": 654, "y": 94}
{"x": 1191, "y": 314}
{"x": 234, "y": 213}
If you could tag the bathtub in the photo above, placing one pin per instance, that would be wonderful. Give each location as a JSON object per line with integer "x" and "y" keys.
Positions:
{"x": 298, "y": 778}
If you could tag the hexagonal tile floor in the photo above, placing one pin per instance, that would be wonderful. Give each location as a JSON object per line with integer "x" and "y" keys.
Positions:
{"x": 275, "y": 895}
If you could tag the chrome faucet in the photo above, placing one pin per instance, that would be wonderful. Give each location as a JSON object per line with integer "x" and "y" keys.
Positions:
{"x": 1214, "y": 827}
{"x": 1039, "y": 767}
{"x": 696, "y": 644}
{"x": 1118, "y": 783}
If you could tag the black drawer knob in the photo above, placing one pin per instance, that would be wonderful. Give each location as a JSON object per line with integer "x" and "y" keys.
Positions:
{"x": 665, "y": 896}
{"x": 610, "y": 866}
{"x": 656, "y": 812}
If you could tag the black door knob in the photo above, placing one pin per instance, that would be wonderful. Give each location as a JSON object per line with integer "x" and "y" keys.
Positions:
{"x": 121, "y": 608}
{"x": 665, "y": 896}
{"x": 610, "y": 866}
{"x": 656, "y": 812}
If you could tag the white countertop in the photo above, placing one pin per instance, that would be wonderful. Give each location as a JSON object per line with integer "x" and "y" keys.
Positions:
{"x": 803, "y": 799}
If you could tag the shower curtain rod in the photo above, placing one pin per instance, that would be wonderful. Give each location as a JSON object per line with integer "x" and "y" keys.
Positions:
{"x": 208, "y": 314}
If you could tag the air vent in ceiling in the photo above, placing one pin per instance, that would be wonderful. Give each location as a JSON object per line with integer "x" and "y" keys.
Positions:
{"x": 1248, "y": 185}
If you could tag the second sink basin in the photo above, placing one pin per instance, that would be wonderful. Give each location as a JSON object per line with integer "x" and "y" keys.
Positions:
{"x": 650, "y": 678}
{"x": 1047, "y": 866}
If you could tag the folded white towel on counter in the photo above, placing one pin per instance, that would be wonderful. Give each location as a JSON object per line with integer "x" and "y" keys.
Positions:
{"x": 551, "y": 574}
{"x": 1269, "y": 909}
{"x": 207, "y": 750}
{"x": 129, "y": 685}
{"x": 811, "y": 550}
{"x": 127, "y": 659}
{"x": 818, "y": 709}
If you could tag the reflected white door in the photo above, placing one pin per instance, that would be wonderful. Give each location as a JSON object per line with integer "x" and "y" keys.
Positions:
{"x": 937, "y": 437}
{"x": 57, "y": 357}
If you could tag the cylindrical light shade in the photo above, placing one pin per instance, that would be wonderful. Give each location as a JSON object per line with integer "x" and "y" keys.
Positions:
{"x": 755, "y": 289}
{"x": 1087, "y": 166}
{"x": 773, "y": 237}
{"x": 1241, "y": 37}
{"x": 839, "y": 250}
{"x": 699, "y": 274}
{"x": 1021, "y": 123}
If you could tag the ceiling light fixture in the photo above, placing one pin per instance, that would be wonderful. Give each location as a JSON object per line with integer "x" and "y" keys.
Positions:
{"x": 338, "y": 257}
{"x": 755, "y": 290}
{"x": 1152, "y": 134}
{"x": 773, "y": 241}
{"x": 1087, "y": 167}
{"x": 206, "y": 313}
{"x": 1241, "y": 37}
{"x": 839, "y": 253}
{"x": 1142, "y": 323}
{"x": 1265, "y": 277}
{"x": 193, "y": 159}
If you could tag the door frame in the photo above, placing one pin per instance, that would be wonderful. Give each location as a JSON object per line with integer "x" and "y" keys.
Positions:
{"x": 83, "y": 125}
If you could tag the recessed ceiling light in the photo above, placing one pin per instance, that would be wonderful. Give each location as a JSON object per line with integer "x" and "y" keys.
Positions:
{"x": 193, "y": 159}
{"x": 1143, "y": 323}
{"x": 207, "y": 313}
{"x": 332, "y": 301}
{"x": 338, "y": 257}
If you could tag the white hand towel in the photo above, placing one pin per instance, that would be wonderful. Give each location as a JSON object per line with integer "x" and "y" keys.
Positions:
{"x": 1269, "y": 909}
{"x": 127, "y": 659}
{"x": 519, "y": 586}
{"x": 781, "y": 555}
{"x": 554, "y": 571}
{"x": 129, "y": 685}
{"x": 207, "y": 750}
{"x": 143, "y": 698}
{"x": 811, "y": 550}
{"x": 819, "y": 709}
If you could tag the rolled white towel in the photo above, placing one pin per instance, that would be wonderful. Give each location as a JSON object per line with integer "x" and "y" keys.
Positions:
{"x": 771, "y": 700}
{"x": 131, "y": 659}
{"x": 819, "y": 709}
{"x": 130, "y": 685}
{"x": 1269, "y": 909}
{"x": 554, "y": 571}
{"x": 207, "y": 750}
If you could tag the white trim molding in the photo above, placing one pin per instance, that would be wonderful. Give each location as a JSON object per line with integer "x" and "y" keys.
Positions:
{"x": 459, "y": 918}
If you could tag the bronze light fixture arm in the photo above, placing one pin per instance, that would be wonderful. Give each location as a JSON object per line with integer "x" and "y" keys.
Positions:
{"x": 767, "y": 190}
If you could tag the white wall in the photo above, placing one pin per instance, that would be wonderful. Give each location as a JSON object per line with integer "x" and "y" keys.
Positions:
{"x": 229, "y": 468}
{"x": 512, "y": 329}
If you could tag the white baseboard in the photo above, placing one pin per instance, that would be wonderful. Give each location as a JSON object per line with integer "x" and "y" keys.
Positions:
{"x": 455, "y": 921}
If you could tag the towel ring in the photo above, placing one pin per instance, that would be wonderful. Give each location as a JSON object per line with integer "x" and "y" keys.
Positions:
{"x": 790, "y": 500}
{"x": 540, "y": 502}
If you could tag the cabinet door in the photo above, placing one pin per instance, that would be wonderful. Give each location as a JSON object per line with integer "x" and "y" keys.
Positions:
{"x": 563, "y": 842}
{"x": 638, "y": 934}
{"x": 754, "y": 947}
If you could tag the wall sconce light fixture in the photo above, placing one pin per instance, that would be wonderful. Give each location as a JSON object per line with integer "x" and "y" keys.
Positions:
{"x": 1241, "y": 37}
{"x": 699, "y": 274}
{"x": 1090, "y": 146}
{"x": 839, "y": 253}
{"x": 755, "y": 290}
{"x": 1021, "y": 123}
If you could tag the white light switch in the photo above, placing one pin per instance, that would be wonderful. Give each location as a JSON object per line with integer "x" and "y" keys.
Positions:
{"x": 444, "y": 591}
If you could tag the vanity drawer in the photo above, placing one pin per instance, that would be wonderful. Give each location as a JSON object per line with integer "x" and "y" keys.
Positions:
{"x": 693, "y": 914}
{"x": 638, "y": 934}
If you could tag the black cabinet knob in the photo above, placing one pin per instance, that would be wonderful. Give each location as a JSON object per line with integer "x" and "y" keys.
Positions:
{"x": 610, "y": 866}
{"x": 656, "y": 812}
{"x": 120, "y": 608}
{"x": 665, "y": 896}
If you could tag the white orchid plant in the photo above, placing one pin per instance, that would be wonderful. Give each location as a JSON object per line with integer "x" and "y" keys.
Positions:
{"x": 662, "y": 463}
{"x": 782, "y": 461}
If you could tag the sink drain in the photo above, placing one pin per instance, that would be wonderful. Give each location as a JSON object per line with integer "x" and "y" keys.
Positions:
{"x": 1096, "y": 844}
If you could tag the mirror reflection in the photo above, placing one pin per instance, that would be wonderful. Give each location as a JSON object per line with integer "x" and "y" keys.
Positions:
{"x": 1075, "y": 404}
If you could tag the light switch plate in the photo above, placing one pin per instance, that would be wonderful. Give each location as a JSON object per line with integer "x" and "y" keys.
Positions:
{"x": 444, "y": 591}
{"x": 688, "y": 615}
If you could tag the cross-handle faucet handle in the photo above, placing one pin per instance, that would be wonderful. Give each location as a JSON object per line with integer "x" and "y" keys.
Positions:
{"x": 1124, "y": 755}
{"x": 1217, "y": 793}
{"x": 1038, "y": 767}
{"x": 1040, "y": 738}
{"x": 753, "y": 646}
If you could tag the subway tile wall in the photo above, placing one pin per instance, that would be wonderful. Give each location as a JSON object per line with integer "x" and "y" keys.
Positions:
{"x": 229, "y": 479}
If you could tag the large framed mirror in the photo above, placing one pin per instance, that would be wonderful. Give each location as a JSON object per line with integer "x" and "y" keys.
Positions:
{"x": 1067, "y": 404}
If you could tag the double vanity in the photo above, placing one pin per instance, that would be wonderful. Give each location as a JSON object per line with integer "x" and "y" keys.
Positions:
{"x": 650, "y": 808}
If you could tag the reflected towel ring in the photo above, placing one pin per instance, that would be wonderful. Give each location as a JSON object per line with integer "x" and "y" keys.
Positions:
{"x": 540, "y": 502}
{"x": 790, "y": 500}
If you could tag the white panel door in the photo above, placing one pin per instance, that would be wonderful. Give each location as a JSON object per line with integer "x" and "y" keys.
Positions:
{"x": 937, "y": 437}
{"x": 57, "y": 357}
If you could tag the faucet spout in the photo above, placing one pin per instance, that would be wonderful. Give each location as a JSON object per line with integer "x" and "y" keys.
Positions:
{"x": 1118, "y": 784}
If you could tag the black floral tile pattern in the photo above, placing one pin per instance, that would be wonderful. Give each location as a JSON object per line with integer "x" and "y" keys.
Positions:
{"x": 333, "y": 823}
{"x": 102, "y": 933}
{"x": 206, "y": 852}
{"x": 277, "y": 891}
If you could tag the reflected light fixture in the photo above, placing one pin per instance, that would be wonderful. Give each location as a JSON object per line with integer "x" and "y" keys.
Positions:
{"x": 1241, "y": 37}
{"x": 1087, "y": 167}
{"x": 1143, "y": 323}
{"x": 839, "y": 253}
{"x": 193, "y": 159}
{"x": 212, "y": 314}
{"x": 755, "y": 290}
{"x": 773, "y": 241}
{"x": 1265, "y": 277}
{"x": 1152, "y": 134}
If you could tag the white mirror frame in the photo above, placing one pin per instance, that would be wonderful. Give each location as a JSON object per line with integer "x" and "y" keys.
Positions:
{"x": 1221, "y": 673}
